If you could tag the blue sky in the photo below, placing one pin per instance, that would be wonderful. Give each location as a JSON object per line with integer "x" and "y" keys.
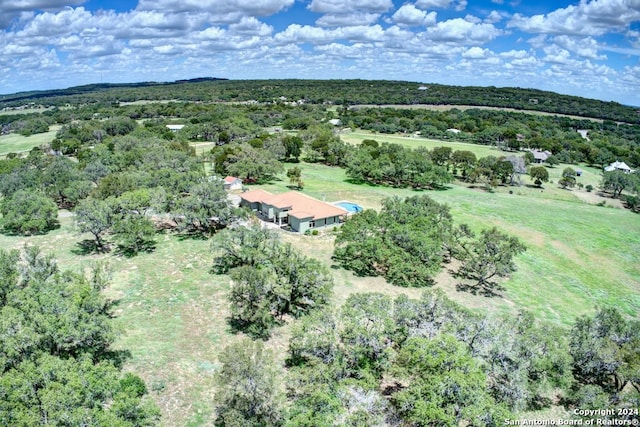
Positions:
{"x": 588, "y": 48}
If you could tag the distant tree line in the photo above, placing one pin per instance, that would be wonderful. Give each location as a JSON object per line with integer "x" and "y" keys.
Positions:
{"x": 91, "y": 123}
{"x": 608, "y": 141}
{"x": 336, "y": 92}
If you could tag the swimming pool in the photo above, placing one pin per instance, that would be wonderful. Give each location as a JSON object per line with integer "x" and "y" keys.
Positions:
{"x": 349, "y": 207}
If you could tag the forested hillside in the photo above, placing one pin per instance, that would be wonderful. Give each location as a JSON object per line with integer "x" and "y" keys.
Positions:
{"x": 338, "y": 92}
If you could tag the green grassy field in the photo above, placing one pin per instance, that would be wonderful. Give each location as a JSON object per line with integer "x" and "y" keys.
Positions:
{"x": 475, "y": 107}
{"x": 14, "y": 143}
{"x": 173, "y": 312}
{"x": 415, "y": 142}
{"x": 24, "y": 111}
{"x": 579, "y": 255}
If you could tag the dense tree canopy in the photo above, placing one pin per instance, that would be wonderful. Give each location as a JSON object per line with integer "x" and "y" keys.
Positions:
{"x": 56, "y": 364}
{"x": 248, "y": 387}
{"x": 445, "y": 385}
{"x": 489, "y": 256}
{"x": 270, "y": 279}
{"x": 617, "y": 181}
{"x": 539, "y": 174}
{"x": 28, "y": 212}
{"x": 404, "y": 242}
{"x": 437, "y": 362}
{"x": 206, "y": 208}
{"x": 408, "y": 241}
{"x": 606, "y": 351}
{"x": 394, "y": 165}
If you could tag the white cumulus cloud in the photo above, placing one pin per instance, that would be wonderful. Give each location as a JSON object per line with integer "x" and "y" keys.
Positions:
{"x": 464, "y": 32}
{"x": 587, "y": 47}
{"x": 349, "y": 6}
{"x": 594, "y": 17}
{"x": 458, "y": 5}
{"x": 348, "y": 19}
{"x": 13, "y": 9}
{"x": 218, "y": 7}
{"x": 410, "y": 16}
{"x": 476, "y": 53}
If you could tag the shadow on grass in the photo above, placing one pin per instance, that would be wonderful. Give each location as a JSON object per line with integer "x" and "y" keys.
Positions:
{"x": 192, "y": 236}
{"x": 356, "y": 181}
{"x": 13, "y": 232}
{"x": 341, "y": 264}
{"x": 488, "y": 289}
{"x": 117, "y": 357}
{"x": 482, "y": 187}
{"x": 255, "y": 330}
{"x": 439, "y": 188}
{"x": 131, "y": 251}
{"x": 89, "y": 247}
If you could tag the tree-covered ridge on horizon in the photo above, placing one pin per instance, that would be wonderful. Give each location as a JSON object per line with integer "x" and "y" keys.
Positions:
{"x": 337, "y": 92}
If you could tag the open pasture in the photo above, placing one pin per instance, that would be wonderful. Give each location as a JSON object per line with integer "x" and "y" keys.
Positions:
{"x": 579, "y": 255}
{"x": 15, "y": 143}
{"x": 447, "y": 107}
{"x": 415, "y": 142}
{"x": 173, "y": 312}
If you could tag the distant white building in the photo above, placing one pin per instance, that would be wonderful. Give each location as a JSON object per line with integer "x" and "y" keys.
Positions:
{"x": 618, "y": 165}
{"x": 175, "y": 128}
{"x": 584, "y": 133}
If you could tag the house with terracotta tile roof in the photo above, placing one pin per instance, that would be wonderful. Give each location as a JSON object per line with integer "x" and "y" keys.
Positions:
{"x": 299, "y": 211}
{"x": 251, "y": 199}
{"x": 232, "y": 183}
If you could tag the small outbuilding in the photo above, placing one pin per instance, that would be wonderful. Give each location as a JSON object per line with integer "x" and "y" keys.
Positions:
{"x": 232, "y": 183}
{"x": 540, "y": 156}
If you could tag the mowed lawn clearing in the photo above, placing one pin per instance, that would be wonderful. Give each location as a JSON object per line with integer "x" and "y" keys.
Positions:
{"x": 414, "y": 142}
{"x": 15, "y": 143}
{"x": 579, "y": 256}
{"x": 174, "y": 314}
